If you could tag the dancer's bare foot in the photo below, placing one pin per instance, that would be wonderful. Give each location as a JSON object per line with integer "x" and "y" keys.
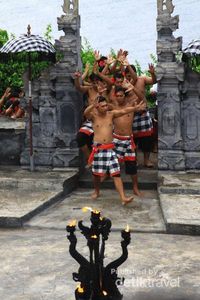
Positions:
{"x": 137, "y": 192}
{"x": 95, "y": 195}
{"x": 127, "y": 200}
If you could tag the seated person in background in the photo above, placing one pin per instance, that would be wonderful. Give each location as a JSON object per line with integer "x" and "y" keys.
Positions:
{"x": 3, "y": 100}
{"x": 12, "y": 105}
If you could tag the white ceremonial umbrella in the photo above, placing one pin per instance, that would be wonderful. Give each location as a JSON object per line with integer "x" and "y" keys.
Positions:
{"x": 29, "y": 43}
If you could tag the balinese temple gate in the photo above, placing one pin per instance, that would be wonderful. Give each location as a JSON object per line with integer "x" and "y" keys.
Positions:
{"x": 57, "y": 106}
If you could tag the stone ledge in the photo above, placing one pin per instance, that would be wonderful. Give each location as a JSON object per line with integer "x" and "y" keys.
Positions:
{"x": 147, "y": 180}
{"x": 6, "y": 123}
{"x": 23, "y": 198}
{"x": 179, "y": 195}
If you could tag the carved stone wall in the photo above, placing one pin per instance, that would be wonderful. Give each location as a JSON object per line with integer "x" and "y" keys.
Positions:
{"x": 178, "y": 98}
{"x": 170, "y": 74}
{"x": 57, "y": 106}
{"x": 191, "y": 118}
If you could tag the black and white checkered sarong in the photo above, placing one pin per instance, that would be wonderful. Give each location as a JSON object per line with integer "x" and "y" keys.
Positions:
{"x": 105, "y": 161}
{"x": 124, "y": 148}
{"x": 142, "y": 124}
{"x": 87, "y": 128}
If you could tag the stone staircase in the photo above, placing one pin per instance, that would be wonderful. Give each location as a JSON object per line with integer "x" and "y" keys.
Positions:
{"x": 50, "y": 198}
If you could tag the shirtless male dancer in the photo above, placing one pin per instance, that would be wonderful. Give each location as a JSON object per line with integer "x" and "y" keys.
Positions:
{"x": 103, "y": 157}
{"x": 142, "y": 124}
{"x": 123, "y": 136}
{"x": 95, "y": 88}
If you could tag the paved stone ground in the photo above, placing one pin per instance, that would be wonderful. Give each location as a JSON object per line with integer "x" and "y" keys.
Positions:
{"x": 142, "y": 214}
{"x": 35, "y": 265}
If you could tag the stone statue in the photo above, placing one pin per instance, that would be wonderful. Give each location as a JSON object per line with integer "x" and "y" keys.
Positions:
{"x": 70, "y": 7}
{"x": 165, "y": 7}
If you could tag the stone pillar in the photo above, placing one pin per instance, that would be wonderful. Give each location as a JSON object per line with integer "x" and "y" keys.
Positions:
{"x": 191, "y": 118}
{"x": 57, "y": 105}
{"x": 170, "y": 74}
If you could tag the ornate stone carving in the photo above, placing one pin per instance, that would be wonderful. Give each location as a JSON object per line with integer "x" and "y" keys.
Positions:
{"x": 70, "y": 7}
{"x": 167, "y": 22}
{"x": 192, "y": 159}
{"x": 165, "y": 7}
{"x": 171, "y": 160}
{"x": 173, "y": 46}
{"x": 170, "y": 70}
{"x": 191, "y": 124}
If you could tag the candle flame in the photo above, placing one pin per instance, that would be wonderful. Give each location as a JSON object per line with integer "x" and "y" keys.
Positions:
{"x": 94, "y": 236}
{"x": 80, "y": 289}
{"x": 95, "y": 211}
{"x": 72, "y": 223}
{"x": 86, "y": 208}
{"x": 105, "y": 293}
{"x": 127, "y": 228}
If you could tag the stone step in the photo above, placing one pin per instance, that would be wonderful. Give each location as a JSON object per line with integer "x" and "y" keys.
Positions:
{"x": 23, "y": 194}
{"x": 17, "y": 178}
{"x": 179, "y": 194}
{"x": 147, "y": 180}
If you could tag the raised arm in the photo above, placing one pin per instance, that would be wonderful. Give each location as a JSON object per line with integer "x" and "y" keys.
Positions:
{"x": 129, "y": 87}
{"x": 107, "y": 79}
{"x": 138, "y": 107}
{"x": 79, "y": 87}
{"x": 88, "y": 111}
{"x": 110, "y": 61}
{"x": 86, "y": 71}
{"x": 117, "y": 60}
{"x": 151, "y": 80}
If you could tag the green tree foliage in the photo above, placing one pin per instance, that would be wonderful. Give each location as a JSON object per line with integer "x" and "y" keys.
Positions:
{"x": 87, "y": 54}
{"x": 3, "y": 37}
{"x": 48, "y": 33}
{"x": 194, "y": 63}
{"x": 12, "y": 70}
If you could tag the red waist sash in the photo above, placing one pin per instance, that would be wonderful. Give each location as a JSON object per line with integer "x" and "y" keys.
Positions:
{"x": 125, "y": 138}
{"x": 95, "y": 149}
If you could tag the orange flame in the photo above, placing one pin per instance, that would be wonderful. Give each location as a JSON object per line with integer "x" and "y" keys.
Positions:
{"x": 96, "y": 211}
{"x": 80, "y": 289}
{"x": 105, "y": 293}
{"x": 72, "y": 223}
{"x": 94, "y": 236}
{"x": 86, "y": 208}
{"x": 127, "y": 229}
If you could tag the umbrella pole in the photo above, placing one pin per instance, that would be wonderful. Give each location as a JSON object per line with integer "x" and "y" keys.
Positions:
{"x": 30, "y": 114}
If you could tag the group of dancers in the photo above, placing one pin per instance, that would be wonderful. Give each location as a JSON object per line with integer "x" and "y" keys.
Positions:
{"x": 117, "y": 120}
